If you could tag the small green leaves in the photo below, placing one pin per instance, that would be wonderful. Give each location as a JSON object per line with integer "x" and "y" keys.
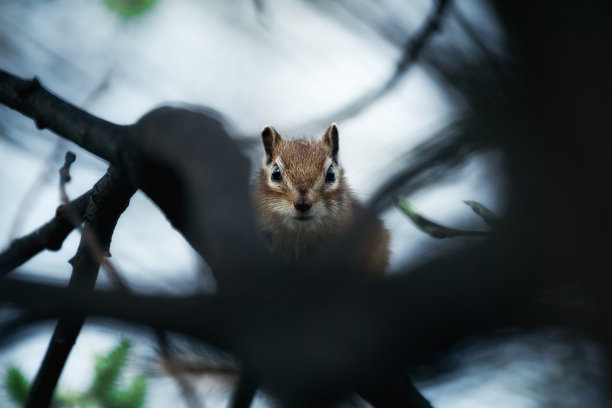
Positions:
{"x": 103, "y": 392}
{"x": 17, "y": 385}
{"x": 108, "y": 369}
{"x": 104, "y": 387}
{"x": 130, "y": 8}
{"x": 132, "y": 397}
{"x": 432, "y": 228}
{"x": 486, "y": 214}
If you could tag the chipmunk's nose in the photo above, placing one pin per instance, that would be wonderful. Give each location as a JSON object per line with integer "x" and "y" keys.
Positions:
{"x": 303, "y": 202}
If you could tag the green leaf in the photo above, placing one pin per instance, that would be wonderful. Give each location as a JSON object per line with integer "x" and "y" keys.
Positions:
{"x": 108, "y": 369}
{"x": 17, "y": 385}
{"x": 132, "y": 397}
{"x": 103, "y": 392}
{"x": 486, "y": 214}
{"x": 432, "y": 228}
{"x": 130, "y": 8}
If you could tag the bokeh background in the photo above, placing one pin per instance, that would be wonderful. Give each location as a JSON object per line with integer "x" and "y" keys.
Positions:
{"x": 292, "y": 64}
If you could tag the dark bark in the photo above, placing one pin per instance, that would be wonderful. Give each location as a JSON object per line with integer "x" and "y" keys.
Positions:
{"x": 49, "y": 236}
{"x": 107, "y": 200}
{"x": 188, "y": 164}
{"x": 28, "y": 97}
{"x": 393, "y": 391}
{"x": 244, "y": 392}
{"x": 287, "y": 336}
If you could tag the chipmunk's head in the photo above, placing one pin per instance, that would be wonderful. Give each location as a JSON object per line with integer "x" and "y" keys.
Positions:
{"x": 301, "y": 183}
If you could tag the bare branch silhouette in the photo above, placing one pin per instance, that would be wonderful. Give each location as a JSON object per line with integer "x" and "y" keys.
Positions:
{"x": 50, "y": 112}
{"x": 33, "y": 191}
{"x": 49, "y": 236}
{"x": 65, "y": 177}
{"x": 107, "y": 201}
{"x": 411, "y": 52}
{"x": 45, "y": 174}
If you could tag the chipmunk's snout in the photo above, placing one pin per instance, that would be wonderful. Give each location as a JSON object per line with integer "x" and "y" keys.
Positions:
{"x": 303, "y": 202}
{"x": 302, "y": 205}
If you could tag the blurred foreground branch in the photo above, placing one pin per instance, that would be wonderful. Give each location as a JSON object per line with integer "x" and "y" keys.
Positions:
{"x": 389, "y": 324}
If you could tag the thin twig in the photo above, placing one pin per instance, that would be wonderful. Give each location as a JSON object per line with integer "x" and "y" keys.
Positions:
{"x": 487, "y": 215}
{"x": 34, "y": 190}
{"x": 64, "y": 173}
{"x": 187, "y": 390}
{"x": 432, "y": 159}
{"x": 49, "y": 236}
{"x": 412, "y": 50}
{"x": 434, "y": 229}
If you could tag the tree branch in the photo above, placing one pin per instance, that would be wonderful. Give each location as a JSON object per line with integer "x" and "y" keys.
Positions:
{"x": 49, "y": 236}
{"x": 188, "y": 164}
{"x": 28, "y": 97}
{"x": 294, "y": 325}
{"x": 244, "y": 392}
{"x": 412, "y": 50}
{"x": 432, "y": 228}
{"x": 174, "y": 155}
{"x": 108, "y": 199}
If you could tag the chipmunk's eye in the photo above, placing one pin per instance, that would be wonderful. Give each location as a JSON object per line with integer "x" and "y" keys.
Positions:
{"x": 330, "y": 176}
{"x": 276, "y": 174}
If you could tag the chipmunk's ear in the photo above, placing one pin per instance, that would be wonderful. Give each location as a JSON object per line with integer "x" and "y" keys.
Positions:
{"x": 270, "y": 138}
{"x": 330, "y": 140}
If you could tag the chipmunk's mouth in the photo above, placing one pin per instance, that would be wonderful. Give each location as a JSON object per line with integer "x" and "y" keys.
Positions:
{"x": 302, "y": 217}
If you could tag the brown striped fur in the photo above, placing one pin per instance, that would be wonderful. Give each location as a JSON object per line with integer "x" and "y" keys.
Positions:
{"x": 294, "y": 235}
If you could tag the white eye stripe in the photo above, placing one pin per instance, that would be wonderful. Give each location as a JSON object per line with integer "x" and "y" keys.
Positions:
{"x": 275, "y": 185}
{"x": 332, "y": 186}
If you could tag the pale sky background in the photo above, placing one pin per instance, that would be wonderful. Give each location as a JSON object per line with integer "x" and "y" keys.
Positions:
{"x": 296, "y": 62}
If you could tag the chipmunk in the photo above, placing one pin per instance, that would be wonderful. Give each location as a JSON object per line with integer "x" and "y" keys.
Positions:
{"x": 302, "y": 201}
